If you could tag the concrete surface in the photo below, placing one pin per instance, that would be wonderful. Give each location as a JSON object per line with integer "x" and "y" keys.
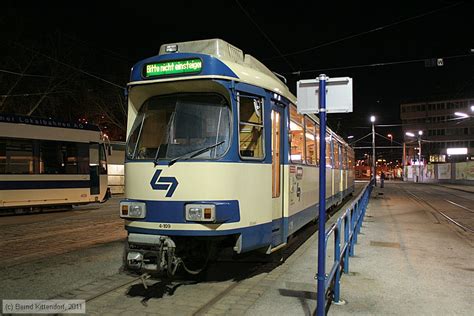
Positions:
{"x": 44, "y": 255}
{"x": 409, "y": 261}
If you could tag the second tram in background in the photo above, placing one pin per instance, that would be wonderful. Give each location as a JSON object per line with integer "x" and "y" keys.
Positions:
{"x": 217, "y": 156}
{"x": 47, "y": 163}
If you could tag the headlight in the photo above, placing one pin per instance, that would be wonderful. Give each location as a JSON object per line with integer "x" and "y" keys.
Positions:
{"x": 132, "y": 209}
{"x": 200, "y": 212}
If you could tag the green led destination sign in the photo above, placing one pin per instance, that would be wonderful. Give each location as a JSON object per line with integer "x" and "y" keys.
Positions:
{"x": 173, "y": 68}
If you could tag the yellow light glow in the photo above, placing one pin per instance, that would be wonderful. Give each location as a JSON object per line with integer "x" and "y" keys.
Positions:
{"x": 295, "y": 127}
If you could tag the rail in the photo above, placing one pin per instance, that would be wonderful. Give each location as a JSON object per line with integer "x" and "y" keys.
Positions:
{"x": 348, "y": 224}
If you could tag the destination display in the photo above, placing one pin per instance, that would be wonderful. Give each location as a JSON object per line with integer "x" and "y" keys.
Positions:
{"x": 173, "y": 68}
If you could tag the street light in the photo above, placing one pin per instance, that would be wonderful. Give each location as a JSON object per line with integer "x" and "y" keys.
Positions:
{"x": 461, "y": 114}
{"x": 374, "y": 168}
{"x": 420, "y": 133}
{"x": 391, "y": 144}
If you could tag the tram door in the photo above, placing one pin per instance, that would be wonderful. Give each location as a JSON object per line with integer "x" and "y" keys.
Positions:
{"x": 94, "y": 168}
{"x": 278, "y": 235}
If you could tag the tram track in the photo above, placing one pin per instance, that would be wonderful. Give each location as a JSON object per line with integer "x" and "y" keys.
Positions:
{"x": 255, "y": 267}
{"x": 460, "y": 206}
{"x": 225, "y": 278}
{"x": 443, "y": 212}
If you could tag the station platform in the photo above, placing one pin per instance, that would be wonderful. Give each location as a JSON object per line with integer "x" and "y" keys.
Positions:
{"x": 408, "y": 261}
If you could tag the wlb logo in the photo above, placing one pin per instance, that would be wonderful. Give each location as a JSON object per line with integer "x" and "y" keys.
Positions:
{"x": 164, "y": 183}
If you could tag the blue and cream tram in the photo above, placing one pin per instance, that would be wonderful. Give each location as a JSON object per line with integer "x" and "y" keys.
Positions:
{"x": 49, "y": 163}
{"x": 217, "y": 156}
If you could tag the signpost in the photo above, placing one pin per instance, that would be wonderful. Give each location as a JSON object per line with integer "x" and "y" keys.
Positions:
{"x": 312, "y": 96}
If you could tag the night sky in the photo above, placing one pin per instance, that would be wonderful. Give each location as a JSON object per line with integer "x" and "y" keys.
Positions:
{"x": 107, "y": 40}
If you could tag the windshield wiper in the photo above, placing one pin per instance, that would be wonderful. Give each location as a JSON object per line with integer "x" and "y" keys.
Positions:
{"x": 194, "y": 153}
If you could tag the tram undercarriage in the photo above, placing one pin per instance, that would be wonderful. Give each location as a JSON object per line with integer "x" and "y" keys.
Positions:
{"x": 156, "y": 254}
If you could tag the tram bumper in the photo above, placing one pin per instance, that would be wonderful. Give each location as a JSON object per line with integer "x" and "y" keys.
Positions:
{"x": 151, "y": 253}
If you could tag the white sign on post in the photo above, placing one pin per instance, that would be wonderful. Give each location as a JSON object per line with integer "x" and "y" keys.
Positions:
{"x": 338, "y": 95}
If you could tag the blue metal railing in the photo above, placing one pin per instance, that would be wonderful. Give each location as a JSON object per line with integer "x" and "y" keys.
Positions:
{"x": 351, "y": 220}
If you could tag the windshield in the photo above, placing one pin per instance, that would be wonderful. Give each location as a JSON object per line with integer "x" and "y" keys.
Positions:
{"x": 168, "y": 127}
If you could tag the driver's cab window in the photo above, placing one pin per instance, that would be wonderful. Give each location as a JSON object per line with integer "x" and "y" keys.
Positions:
{"x": 251, "y": 127}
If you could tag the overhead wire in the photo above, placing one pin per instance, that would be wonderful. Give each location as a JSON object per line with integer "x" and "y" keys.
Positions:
{"x": 70, "y": 66}
{"x": 31, "y": 94}
{"x": 23, "y": 74}
{"x": 364, "y": 32}
{"x": 380, "y": 64}
{"x": 264, "y": 34}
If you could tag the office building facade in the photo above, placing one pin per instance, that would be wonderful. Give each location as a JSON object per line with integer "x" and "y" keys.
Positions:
{"x": 447, "y": 127}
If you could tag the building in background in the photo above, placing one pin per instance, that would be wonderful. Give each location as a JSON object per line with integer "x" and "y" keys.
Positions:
{"x": 447, "y": 126}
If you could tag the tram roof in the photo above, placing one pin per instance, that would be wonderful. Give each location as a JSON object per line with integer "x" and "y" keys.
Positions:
{"x": 246, "y": 67}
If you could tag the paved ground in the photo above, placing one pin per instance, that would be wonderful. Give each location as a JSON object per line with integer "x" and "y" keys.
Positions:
{"x": 78, "y": 254}
{"x": 43, "y": 255}
{"x": 409, "y": 261}
{"x": 228, "y": 288}
{"x": 24, "y": 238}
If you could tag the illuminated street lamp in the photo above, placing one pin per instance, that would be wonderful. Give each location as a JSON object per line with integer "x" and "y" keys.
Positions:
{"x": 420, "y": 133}
{"x": 372, "y": 119}
{"x": 391, "y": 144}
{"x": 461, "y": 114}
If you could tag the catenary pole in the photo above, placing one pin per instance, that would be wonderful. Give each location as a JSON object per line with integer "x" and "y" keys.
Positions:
{"x": 374, "y": 163}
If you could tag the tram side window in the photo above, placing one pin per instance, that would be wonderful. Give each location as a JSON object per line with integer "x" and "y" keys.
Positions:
{"x": 63, "y": 158}
{"x": 344, "y": 157}
{"x": 336, "y": 155}
{"x": 102, "y": 160}
{"x": 310, "y": 130}
{"x": 329, "y": 160}
{"x": 251, "y": 127}
{"x": 83, "y": 158}
{"x": 16, "y": 156}
{"x": 51, "y": 158}
{"x": 3, "y": 156}
{"x": 297, "y": 154}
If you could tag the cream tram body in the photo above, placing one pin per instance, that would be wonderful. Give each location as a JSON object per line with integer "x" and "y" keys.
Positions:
{"x": 218, "y": 155}
{"x": 45, "y": 163}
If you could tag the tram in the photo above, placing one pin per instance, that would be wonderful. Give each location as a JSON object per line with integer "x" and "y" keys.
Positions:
{"x": 48, "y": 163}
{"x": 217, "y": 156}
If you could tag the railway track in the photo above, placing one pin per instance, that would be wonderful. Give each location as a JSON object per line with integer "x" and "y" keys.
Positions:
{"x": 443, "y": 213}
{"x": 248, "y": 267}
{"x": 225, "y": 280}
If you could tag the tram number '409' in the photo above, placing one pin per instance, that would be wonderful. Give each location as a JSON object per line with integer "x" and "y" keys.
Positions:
{"x": 165, "y": 226}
